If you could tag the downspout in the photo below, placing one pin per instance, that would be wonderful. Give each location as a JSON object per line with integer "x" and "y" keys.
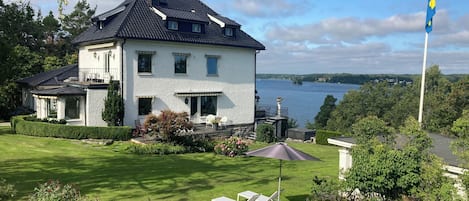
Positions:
{"x": 255, "y": 86}
{"x": 122, "y": 76}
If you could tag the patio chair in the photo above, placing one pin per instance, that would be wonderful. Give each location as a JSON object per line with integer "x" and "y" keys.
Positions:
{"x": 224, "y": 122}
{"x": 209, "y": 120}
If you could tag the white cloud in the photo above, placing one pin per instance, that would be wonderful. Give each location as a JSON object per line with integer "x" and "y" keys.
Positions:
{"x": 350, "y": 29}
{"x": 269, "y": 8}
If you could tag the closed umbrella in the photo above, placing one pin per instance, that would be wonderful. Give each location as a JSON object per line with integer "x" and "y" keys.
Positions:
{"x": 283, "y": 152}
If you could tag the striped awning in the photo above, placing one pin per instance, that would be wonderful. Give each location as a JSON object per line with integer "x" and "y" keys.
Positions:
{"x": 196, "y": 94}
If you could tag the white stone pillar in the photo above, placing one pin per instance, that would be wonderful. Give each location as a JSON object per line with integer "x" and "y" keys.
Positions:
{"x": 60, "y": 108}
{"x": 345, "y": 161}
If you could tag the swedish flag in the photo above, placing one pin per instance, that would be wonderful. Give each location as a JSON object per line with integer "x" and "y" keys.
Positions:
{"x": 431, "y": 10}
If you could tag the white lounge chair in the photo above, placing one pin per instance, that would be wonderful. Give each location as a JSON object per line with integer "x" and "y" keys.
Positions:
{"x": 223, "y": 198}
{"x": 272, "y": 197}
{"x": 259, "y": 197}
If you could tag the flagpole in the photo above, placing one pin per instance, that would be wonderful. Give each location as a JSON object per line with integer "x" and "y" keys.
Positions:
{"x": 422, "y": 86}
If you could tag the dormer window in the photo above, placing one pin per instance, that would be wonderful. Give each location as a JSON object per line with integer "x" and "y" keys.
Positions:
{"x": 196, "y": 28}
{"x": 229, "y": 31}
{"x": 173, "y": 25}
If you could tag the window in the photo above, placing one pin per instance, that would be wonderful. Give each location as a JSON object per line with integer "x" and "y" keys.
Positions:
{"x": 229, "y": 31}
{"x": 52, "y": 108}
{"x": 180, "y": 63}
{"x": 144, "y": 106}
{"x": 208, "y": 105}
{"x": 196, "y": 28}
{"x": 144, "y": 63}
{"x": 173, "y": 25}
{"x": 212, "y": 65}
{"x": 107, "y": 59}
{"x": 72, "y": 107}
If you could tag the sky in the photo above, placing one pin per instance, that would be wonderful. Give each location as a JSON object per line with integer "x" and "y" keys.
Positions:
{"x": 337, "y": 36}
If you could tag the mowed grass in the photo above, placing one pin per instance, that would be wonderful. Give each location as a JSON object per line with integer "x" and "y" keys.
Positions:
{"x": 107, "y": 173}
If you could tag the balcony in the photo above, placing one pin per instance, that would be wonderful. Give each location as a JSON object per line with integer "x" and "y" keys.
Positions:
{"x": 98, "y": 75}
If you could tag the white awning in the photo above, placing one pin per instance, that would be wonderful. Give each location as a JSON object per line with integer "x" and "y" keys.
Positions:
{"x": 146, "y": 96}
{"x": 199, "y": 93}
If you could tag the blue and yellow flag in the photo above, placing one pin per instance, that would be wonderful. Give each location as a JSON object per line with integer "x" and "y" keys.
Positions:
{"x": 431, "y": 10}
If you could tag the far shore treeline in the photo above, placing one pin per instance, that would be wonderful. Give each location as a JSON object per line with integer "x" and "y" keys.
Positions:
{"x": 347, "y": 78}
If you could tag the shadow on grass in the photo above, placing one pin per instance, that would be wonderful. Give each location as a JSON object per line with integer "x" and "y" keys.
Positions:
{"x": 297, "y": 197}
{"x": 128, "y": 176}
{"x": 5, "y": 130}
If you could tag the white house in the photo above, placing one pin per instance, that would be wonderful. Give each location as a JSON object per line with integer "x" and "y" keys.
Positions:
{"x": 166, "y": 54}
{"x": 441, "y": 148}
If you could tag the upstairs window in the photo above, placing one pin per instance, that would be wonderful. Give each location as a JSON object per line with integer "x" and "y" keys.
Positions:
{"x": 229, "y": 31}
{"x": 173, "y": 25}
{"x": 144, "y": 63}
{"x": 180, "y": 63}
{"x": 196, "y": 28}
{"x": 212, "y": 65}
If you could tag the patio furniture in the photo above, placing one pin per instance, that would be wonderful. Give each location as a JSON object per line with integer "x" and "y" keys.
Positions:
{"x": 246, "y": 194}
{"x": 272, "y": 197}
{"x": 209, "y": 120}
{"x": 223, "y": 122}
{"x": 223, "y": 198}
{"x": 250, "y": 195}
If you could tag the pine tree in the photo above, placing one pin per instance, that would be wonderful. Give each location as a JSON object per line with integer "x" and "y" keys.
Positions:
{"x": 113, "y": 112}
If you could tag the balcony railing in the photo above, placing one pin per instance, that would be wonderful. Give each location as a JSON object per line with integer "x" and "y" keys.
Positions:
{"x": 98, "y": 75}
{"x": 270, "y": 110}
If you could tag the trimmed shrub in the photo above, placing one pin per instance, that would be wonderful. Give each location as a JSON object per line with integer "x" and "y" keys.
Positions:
{"x": 265, "y": 133}
{"x": 7, "y": 191}
{"x": 167, "y": 124}
{"x": 194, "y": 145}
{"x": 231, "y": 147}
{"x": 157, "y": 148}
{"x": 55, "y": 191}
{"x": 322, "y": 135}
{"x": 41, "y": 129}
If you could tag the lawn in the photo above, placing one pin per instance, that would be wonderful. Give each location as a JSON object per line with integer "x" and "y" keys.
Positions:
{"x": 107, "y": 173}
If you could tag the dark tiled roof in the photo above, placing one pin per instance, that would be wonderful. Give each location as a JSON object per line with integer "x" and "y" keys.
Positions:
{"x": 138, "y": 21}
{"x": 64, "y": 91}
{"x": 227, "y": 21}
{"x": 52, "y": 77}
{"x": 441, "y": 146}
{"x": 185, "y": 15}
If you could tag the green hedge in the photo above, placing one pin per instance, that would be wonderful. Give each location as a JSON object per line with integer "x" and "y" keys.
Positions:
{"x": 322, "y": 135}
{"x": 41, "y": 129}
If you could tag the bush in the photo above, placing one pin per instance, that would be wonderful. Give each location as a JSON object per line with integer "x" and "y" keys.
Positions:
{"x": 322, "y": 135}
{"x": 231, "y": 147}
{"x": 265, "y": 133}
{"x": 325, "y": 189}
{"x": 7, "y": 191}
{"x": 167, "y": 124}
{"x": 194, "y": 145}
{"x": 54, "y": 191}
{"x": 157, "y": 148}
{"x": 41, "y": 129}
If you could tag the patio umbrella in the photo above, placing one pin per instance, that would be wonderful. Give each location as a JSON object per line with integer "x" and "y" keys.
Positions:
{"x": 283, "y": 152}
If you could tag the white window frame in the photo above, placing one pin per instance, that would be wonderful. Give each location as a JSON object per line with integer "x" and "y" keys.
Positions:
{"x": 196, "y": 28}
{"x": 173, "y": 25}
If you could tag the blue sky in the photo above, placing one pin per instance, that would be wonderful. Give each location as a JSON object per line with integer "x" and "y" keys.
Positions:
{"x": 336, "y": 36}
